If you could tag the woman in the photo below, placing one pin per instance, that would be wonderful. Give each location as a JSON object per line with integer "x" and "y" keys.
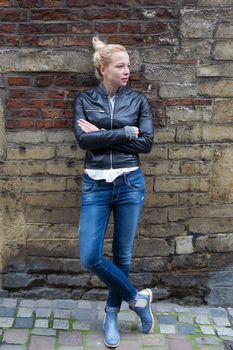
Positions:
{"x": 113, "y": 123}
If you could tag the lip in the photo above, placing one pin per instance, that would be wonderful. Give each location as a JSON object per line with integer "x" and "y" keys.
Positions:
{"x": 125, "y": 79}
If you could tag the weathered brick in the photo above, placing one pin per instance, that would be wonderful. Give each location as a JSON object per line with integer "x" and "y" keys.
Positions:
{"x": 31, "y": 152}
{"x": 171, "y": 73}
{"x": 165, "y": 167}
{"x": 191, "y": 152}
{"x": 60, "y": 200}
{"x": 222, "y": 111}
{"x": 216, "y": 88}
{"x": 44, "y": 184}
{"x": 177, "y": 115}
{"x": 182, "y": 184}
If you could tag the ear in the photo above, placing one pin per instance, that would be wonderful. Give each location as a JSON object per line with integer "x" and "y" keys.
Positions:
{"x": 102, "y": 69}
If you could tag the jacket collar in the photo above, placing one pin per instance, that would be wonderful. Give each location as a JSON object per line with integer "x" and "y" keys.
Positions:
{"x": 101, "y": 89}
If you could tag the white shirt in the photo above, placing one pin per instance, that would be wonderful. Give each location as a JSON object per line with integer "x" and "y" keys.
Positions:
{"x": 109, "y": 175}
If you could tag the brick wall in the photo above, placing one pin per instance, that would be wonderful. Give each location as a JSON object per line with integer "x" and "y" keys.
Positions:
{"x": 182, "y": 58}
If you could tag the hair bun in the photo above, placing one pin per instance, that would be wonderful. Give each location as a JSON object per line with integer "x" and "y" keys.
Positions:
{"x": 97, "y": 43}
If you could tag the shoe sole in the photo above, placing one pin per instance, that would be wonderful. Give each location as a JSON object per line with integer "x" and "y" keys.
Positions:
{"x": 105, "y": 342}
{"x": 150, "y": 301}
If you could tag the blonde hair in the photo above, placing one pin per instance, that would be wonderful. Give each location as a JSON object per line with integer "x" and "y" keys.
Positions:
{"x": 102, "y": 55}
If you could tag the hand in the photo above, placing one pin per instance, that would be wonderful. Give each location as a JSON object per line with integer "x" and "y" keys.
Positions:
{"x": 86, "y": 126}
{"x": 136, "y": 130}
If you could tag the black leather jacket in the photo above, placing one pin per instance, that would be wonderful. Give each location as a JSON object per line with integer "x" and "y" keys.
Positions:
{"x": 110, "y": 147}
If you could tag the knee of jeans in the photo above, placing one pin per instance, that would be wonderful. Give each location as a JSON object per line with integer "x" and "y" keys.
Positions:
{"x": 89, "y": 262}
{"x": 122, "y": 259}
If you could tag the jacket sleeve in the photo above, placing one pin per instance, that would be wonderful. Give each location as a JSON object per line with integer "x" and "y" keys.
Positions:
{"x": 143, "y": 143}
{"x": 96, "y": 139}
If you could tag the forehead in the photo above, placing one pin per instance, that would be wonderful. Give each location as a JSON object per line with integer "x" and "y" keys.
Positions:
{"x": 119, "y": 56}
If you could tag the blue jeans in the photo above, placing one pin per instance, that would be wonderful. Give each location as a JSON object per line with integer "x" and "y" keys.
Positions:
{"x": 125, "y": 197}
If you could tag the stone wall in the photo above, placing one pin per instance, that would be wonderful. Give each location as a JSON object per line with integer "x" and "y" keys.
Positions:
{"x": 182, "y": 58}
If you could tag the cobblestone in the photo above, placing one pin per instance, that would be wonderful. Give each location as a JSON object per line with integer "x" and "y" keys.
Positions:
{"x": 77, "y": 325}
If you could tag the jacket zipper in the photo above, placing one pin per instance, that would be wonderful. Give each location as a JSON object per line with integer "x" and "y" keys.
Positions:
{"x": 95, "y": 110}
{"x": 111, "y": 114}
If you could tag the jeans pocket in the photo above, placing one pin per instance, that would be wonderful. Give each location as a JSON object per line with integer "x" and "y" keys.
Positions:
{"x": 88, "y": 186}
{"x": 137, "y": 183}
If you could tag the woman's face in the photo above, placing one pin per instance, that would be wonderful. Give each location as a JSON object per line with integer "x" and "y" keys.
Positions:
{"x": 116, "y": 74}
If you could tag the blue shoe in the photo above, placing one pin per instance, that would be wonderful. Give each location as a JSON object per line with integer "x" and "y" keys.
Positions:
{"x": 110, "y": 327}
{"x": 142, "y": 307}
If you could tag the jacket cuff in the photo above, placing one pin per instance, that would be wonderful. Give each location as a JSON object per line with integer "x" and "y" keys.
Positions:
{"x": 130, "y": 133}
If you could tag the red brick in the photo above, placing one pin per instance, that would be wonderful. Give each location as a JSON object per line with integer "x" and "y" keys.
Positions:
{"x": 11, "y": 124}
{"x": 132, "y": 40}
{"x": 106, "y": 27}
{"x": 39, "y": 103}
{"x": 62, "y": 123}
{"x": 135, "y": 76}
{"x": 119, "y": 3}
{"x": 7, "y": 28}
{"x": 68, "y": 114}
{"x": 53, "y": 3}
{"x": 49, "y": 15}
{"x": 26, "y": 124}
{"x": 44, "y": 80}
{"x": 79, "y": 3}
{"x": 37, "y": 94}
{"x": 43, "y": 28}
{"x": 44, "y": 124}
{"x": 144, "y": 27}
{"x": 29, "y": 3}
{"x": 56, "y": 94}
{"x": 12, "y": 15}
{"x": 74, "y": 41}
{"x": 30, "y": 41}
{"x": 62, "y": 104}
{"x": 17, "y": 93}
{"x": 47, "y": 41}
{"x": 159, "y": 2}
{"x": 75, "y": 15}
{"x": 2, "y": 40}
{"x": 159, "y": 13}
{"x": 82, "y": 28}
{"x": 107, "y": 14}
{"x": 66, "y": 80}
{"x": 12, "y": 40}
{"x": 25, "y": 114}
{"x": 6, "y": 3}
{"x": 51, "y": 113}
{"x": 19, "y": 81}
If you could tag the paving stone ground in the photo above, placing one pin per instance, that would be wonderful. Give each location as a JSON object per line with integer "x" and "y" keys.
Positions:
{"x": 77, "y": 324}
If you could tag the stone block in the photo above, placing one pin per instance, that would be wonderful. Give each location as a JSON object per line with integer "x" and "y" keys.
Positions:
{"x": 157, "y": 153}
{"x": 149, "y": 264}
{"x": 42, "y": 342}
{"x": 19, "y": 280}
{"x": 165, "y": 135}
{"x": 215, "y": 70}
{"x": 222, "y": 110}
{"x": 163, "y": 167}
{"x": 215, "y": 243}
{"x": 216, "y": 88}
{"x": 50, "y": 60}
{"x": 182, "y": 184}
{"x": 223, "y": 50}
{"x": 154, "y": 216}
{"x": 211, "y": 225}
{"x": 224, "y": 30}
{"x": 56, "y": 200}
{"x": 220, "y": 296}
{"x": 10, "y": 184}
{"x": 70, "y": 151}
{"x": 26, "y": 137}
{"x": 162, "y": 231}
{"x": 158, "y": 55}
{"x": 214, "y": 3}
{"x": 15, "y": 336}
{"x": 222, "y": 189}
{"x": 170, "y": 73}
{"x": 66, "y": 248}
{"x": 176, "y": 90}
{"x": 185, "y": 262}
{"x": 191, "y": 152}
{"x": 194, "y": 198}
{"x": 43, "y": 184}
{"x": 182, "y": 115}
{"x": 198, "y": 168}
{"x": 153, "y": 247}
{"x": 65, "y": 168}
{"x": 184, "y": 245}
{"x": 160, "y": 200}
{"x": 23, "y": 168}
{"x": 61, "y": 136}
{"x": 61, "y": 280}
{"x": 194, "y": 49}
{"x": 197, "y": 23}
{"x": 52, "y": 215}
{"x": 50, "y": 231}
{"x": 30, "y": 152}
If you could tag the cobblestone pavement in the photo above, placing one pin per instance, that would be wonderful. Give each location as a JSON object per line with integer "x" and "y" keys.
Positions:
{"x": 77, "y": 324}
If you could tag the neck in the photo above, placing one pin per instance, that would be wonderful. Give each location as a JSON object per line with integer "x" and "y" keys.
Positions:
{"x": 110, "y": 89}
